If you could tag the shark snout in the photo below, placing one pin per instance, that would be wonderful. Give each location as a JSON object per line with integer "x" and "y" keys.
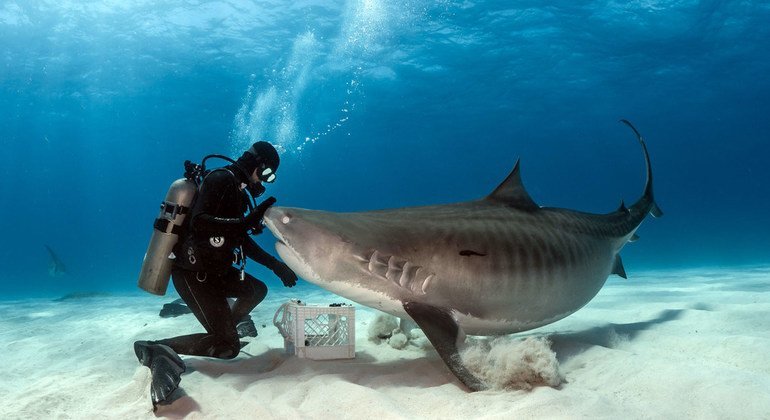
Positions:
{"x": 287, "y": 223}
{"x": 278, "y": 216}
{"x": 273, "y": 219}
{"x": 296, "y": 239}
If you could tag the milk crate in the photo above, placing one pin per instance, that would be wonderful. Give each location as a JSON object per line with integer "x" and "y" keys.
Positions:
{"x": 317, "y": 332}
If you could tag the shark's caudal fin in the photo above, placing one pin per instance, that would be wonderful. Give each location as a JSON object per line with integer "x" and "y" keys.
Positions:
{"x": 511, "y": 192}
{"x": 647, "y": 198}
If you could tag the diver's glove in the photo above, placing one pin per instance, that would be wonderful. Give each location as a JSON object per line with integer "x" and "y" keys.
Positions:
{"x": 254, "y": 219}
{"x": 283, "y": 272}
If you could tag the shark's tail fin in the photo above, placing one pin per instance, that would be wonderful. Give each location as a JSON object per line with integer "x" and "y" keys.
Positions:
{"x": 647, "y": 200}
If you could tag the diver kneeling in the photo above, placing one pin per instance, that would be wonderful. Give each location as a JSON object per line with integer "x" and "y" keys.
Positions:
{"x": 213, "y": 240}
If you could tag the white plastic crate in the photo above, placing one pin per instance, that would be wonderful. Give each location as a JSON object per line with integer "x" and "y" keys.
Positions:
{"x": 317, "y": 332}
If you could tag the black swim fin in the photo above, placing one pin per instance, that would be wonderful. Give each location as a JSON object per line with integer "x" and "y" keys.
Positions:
{"x": 174, "y": 309}
{"x": 246, "y": 327}
{"x": 166, "y": 367}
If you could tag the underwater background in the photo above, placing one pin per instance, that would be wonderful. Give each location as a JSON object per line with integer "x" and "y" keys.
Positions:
{"x": 379, "y": 104}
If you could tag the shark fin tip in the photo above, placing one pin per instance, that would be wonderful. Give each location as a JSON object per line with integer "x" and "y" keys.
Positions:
{"x": 511, "y": 191}
{"x": 656, "y": 211}
{"x": 618, "y": 268}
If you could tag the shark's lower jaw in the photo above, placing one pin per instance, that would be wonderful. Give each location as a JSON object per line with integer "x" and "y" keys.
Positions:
{"x": 363, "y": 296}
{"x": 295, "y": 262}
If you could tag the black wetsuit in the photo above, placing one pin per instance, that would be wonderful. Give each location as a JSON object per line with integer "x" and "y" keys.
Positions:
{"x": 203, "y": 271}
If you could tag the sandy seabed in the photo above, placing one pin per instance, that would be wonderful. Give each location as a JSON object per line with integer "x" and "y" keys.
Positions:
{"x": 663, "y": 344}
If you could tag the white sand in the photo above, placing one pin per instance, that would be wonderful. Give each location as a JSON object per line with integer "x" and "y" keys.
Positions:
{"x": 685, "y": 344}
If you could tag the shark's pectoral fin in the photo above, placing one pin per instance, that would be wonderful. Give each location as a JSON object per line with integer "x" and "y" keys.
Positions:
{"x": 443, "y": 332}
{"x": 618, "y": 268}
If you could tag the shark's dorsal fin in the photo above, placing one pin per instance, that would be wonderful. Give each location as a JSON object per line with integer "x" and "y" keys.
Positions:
{"x": 623, "y": 208}
{"x": 511, "y": 192}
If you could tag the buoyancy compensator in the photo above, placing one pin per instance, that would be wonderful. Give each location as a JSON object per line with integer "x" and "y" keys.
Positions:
{"x": 158, "y": 260}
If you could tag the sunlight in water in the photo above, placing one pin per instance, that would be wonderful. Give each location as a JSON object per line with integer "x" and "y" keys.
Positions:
{"x": 270, "y": 110}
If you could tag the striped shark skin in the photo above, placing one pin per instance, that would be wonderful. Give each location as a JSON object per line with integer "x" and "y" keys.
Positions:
{"x": 497, "y": 265}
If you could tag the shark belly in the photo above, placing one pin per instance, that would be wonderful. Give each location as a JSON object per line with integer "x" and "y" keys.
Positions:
{"x": 527, "y": 284}
{"x": 493, "y": 278}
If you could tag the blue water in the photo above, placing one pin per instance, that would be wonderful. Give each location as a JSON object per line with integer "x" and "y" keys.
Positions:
{"x": 379, "y": 104}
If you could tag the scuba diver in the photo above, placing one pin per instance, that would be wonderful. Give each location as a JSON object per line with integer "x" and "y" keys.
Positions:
{"x": 208, "y": 261}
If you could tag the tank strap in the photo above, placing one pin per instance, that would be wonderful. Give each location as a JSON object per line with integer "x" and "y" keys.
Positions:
{"x": 167, "y": 226}
{"x": 171, "y": 210}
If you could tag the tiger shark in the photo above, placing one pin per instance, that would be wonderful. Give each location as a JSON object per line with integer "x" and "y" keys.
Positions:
{"x": 497, "y": 265}
{"x": 55, "y": 265}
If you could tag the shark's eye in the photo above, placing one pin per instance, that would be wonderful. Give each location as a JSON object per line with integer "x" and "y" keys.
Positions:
{"x": 286, "y": 219}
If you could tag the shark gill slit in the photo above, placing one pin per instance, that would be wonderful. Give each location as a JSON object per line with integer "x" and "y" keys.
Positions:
{"x": 371, "y": 263}
{"x": 409, "y": 279}
{"x": 427, "y": 282}
{"x": 397, "y": 270}
{"x": 403, "y": 279}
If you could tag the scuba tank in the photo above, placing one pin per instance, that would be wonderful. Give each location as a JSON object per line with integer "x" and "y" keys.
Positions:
{"x": 156, "y": 267}
{"x": 158, "y": 261}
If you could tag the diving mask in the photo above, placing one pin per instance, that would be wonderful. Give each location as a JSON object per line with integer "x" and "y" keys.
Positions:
{"x": 267, "y": 175}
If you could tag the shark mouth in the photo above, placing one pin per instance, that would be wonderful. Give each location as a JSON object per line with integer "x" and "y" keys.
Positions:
{"x": 288, "y": 254}
{"x": 271, "y": 225}
{"x": 293, "y": 259}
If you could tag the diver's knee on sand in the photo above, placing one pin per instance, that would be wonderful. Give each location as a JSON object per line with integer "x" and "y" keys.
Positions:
{"x": 222, "y": 346}
{"x": 225, "y": 350}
